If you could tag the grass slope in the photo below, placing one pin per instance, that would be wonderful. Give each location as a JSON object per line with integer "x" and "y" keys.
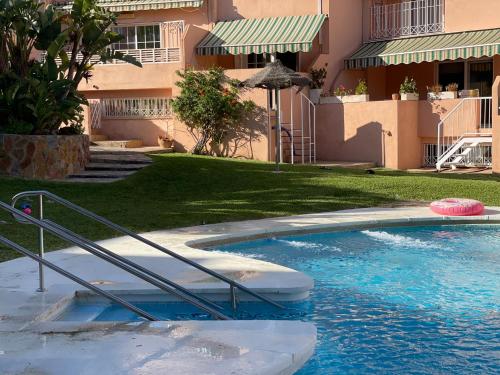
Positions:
{"x": 181, "y": 190}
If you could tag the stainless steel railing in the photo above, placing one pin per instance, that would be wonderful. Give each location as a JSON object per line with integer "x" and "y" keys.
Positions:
{"x": 76, "y": 279}
{"x": 234, "y": 286}
{"x": 108, "y": 256}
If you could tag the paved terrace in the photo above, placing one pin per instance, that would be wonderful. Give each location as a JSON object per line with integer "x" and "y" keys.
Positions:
{"x": 31, "y": 342}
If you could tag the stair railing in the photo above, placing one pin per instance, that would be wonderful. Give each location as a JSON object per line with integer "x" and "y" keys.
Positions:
{"x": 234, "y": 286}
{"x": 469, "y": 116}
{"x": 106, "y": 255}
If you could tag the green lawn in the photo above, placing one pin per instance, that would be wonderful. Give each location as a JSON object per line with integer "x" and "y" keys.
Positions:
{"x": 180, "y": 190}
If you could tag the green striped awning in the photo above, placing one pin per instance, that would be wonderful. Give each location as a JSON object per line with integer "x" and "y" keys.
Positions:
{"x": 134, "y": 5}
{"x": 463, "y": 45}
{"x": 262, "y": 35}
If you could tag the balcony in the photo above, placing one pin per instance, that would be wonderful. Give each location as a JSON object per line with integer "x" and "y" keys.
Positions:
{"x": 144, "y": 56}
{"x": 406, "y": 18}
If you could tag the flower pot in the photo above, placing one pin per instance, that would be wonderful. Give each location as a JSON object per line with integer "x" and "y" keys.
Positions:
{"x": 331, "y": 100}
{"x": 410, "y": 96}
{"x": 356, "y": 98}
{"x": 395, "y": 96}
{"x": 345, "y": 99}
{"x": 469, "y": 93}
{"x": 442, "y": 95}
{"x": 165, "y": 143}
{"x": 315, "y": 95}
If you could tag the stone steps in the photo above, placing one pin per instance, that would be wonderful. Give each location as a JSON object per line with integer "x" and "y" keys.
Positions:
{"x": 107, "y": 167}
{"x": 100, "y": 166}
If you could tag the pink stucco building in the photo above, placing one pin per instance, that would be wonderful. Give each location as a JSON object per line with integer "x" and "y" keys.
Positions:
{"x": 379, "y": 41}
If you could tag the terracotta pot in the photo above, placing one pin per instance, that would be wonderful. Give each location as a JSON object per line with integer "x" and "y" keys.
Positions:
{"x": 165, "y": 143}
{"x": 395, "y": 96}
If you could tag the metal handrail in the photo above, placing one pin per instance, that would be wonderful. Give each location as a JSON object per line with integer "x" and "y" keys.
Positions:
{"x": 134, "y": 265}
{"x": 76, "y": 279}
{"x": 441, "y": 124}
{"x": 114, "y": 259}
{"x": 234, "y": 286}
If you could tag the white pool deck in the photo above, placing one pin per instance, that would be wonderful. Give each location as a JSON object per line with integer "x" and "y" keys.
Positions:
{"x": 32, "y": 343}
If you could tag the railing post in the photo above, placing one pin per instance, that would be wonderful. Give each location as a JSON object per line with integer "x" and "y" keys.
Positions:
{"x": 233, "y": 297}
{"x": 41, "y": 247}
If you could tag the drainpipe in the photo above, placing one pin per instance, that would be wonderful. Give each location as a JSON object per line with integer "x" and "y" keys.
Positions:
{"x": 320, "y": 6}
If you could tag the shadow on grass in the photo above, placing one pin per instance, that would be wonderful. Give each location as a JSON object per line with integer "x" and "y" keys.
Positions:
{"x": 180, "y": 190}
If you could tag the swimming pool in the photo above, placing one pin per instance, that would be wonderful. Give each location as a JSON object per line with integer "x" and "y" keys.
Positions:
{"x": 408, "y": 300}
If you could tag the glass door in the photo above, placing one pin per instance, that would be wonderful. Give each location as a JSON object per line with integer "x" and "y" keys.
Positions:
{"x": 481, "y": 79}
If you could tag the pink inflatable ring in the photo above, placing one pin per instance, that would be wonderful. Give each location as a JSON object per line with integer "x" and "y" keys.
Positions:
{"x": 457, "y": 207}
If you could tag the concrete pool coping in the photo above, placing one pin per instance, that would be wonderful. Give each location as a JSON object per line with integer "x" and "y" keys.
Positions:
{"x": 32, "y": 342}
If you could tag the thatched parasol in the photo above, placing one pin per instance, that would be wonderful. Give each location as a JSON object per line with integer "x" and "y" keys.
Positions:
{"x": 274, "y": 77}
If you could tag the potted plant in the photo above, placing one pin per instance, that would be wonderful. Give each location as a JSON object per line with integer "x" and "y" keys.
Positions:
{"x": 165, "y": 141}
{"x": 434, "y": 92}
{"x": 395, "y": 96}
{"x": 452, "y": 91}
{"x": 408, "y": 89}
{"x": 338, "y": 96}
{"x": 360, "y": 92}
{"x": 318, "y": 77}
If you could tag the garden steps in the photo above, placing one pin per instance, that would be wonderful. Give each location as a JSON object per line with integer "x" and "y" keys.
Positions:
{"x": 112, "y": 166}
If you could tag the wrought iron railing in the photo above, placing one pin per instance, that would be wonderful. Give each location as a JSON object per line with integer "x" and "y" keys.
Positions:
{"x": 136, "y": 107}
{"x": 406, "y": 18}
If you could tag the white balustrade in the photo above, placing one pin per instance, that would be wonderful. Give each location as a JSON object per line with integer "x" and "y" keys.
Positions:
{"x": 144, "y": 56}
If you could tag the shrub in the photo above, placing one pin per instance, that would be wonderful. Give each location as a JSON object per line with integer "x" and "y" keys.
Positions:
{"x": 210, "y": 105}
{"x": 361, "y": 88}
{"x": 38, "y": 97}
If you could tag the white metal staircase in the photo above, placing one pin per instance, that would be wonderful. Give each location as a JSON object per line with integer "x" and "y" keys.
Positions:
{"x": 298, "y": 136}
{"x": 464, "y": 133}
{"x": 463, "y": 151}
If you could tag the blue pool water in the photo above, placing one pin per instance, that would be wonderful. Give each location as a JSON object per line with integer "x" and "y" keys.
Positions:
{"x": 412, "y": 300}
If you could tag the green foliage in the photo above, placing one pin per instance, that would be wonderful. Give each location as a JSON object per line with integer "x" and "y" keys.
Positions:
{"x": 210, "y": 105}
{"x": 361, "y": 88}
{"x": 38, "y": 97}
{"x": 318, "y": 77}
{"x": 409, "y": 86}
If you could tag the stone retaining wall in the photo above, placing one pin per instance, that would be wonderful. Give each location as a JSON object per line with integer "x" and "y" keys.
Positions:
{"x": 45, "y": 157}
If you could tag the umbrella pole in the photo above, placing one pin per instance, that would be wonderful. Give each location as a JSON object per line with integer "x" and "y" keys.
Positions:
{"x": 278, "y": 131}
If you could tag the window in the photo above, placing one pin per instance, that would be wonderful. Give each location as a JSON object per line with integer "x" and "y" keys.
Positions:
{"x": 138, "y": 37}
{"x": 258, "y": 60}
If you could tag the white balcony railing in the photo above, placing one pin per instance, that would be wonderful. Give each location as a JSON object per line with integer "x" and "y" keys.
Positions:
{"x": 136, "y": 108}
{"x": 144, "y": 56}
{"x": 406, "y": 18}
